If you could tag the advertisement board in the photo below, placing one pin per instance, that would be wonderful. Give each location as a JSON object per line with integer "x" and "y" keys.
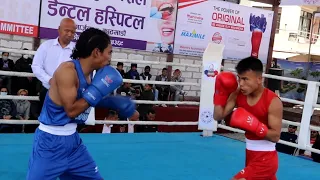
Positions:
{"x": 244, "y": 31}
{"x": 19, "y": 17}
{"x": 136, "y": 24}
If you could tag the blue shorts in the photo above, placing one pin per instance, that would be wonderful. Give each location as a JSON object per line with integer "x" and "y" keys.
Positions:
{"x": 60, "y": 156}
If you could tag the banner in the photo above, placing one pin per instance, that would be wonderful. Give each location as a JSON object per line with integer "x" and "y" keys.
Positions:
{"x": 136, "y": 24}
{"x": 243, "y": 30}
{"x": 19, "y": 17}
{"x": 300, "y": 2}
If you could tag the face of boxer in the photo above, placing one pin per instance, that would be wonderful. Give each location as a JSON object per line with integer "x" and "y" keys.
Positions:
{"x": 249, "y": 81}
{"x": 103, "y": 58}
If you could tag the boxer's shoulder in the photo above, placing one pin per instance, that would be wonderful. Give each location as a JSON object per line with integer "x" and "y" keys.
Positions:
{"x": 66, "y": 72}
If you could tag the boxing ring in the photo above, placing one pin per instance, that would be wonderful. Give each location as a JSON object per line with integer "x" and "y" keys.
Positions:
{"x": 173, "y": 156}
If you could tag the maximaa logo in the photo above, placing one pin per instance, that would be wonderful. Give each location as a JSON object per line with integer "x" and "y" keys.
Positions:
{"x": 192, "y": 34}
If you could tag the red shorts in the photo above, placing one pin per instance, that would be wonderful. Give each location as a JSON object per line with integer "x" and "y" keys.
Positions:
{"x": 260, "y": 165}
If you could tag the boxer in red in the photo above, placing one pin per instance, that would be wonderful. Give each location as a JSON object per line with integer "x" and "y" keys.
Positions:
{"x": 258, "y": 113}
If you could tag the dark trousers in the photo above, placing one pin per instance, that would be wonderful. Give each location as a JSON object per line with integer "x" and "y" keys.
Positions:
{"x": 42, "y": 96}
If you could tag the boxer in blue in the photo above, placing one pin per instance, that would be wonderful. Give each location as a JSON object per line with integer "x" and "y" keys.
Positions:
{"x": 58, "y": 151}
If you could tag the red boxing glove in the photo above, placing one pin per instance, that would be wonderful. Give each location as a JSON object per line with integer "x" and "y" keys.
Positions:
{"x": 242, "y": 119}
{"x": 226, "y": 83}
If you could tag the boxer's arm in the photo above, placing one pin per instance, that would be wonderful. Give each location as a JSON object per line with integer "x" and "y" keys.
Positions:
{"x": 66, "y": 81}
{"x": 221, "y": 112}
{"x": 274, "y": 120}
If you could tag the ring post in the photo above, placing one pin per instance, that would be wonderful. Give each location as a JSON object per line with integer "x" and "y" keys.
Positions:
{"x": 211, "y": 65}
{"x": 310, "y": 100}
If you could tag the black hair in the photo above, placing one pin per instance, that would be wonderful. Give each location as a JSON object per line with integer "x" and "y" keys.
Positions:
{"x": 151, "y": 111}
{"x": 112, "y": 113}
{"x": 4, "y": 53}
{"x": 249, "y": 63}
{"x": 120, "y": 64}
{"x": 89, "y": 40}
{"x": 164, "y": 69}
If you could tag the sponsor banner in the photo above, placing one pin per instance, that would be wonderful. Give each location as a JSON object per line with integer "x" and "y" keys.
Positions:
{"x": 19, "y": 17}
{"x": 244, "y": 31}
{"x": 300, "y": 2}
{"x": 136, "y": 24}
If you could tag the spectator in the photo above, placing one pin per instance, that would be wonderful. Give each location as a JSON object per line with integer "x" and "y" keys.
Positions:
{"x": 29, "y": 83}
{"x": 120, "y": 69}
{"x": 6, "y": 64}
{"x": 162, "y": 89}
{"x": 112, "y": 115}
{"x": 177, "y": 90}
{"x": 313, "y": 137}
{"x": 289, "y": 136}
{"x": 8, "y": 112}
{"x": 148, "y": 95}
{"x": 52, "y": 53}
{"x": 133, "y": 73}
{"x": 22, "y": 106}
{"x": 126, "y": 90}
{"x": 316, "y": 145}
{"x": 149, "y": 116}
{"x": 146, "y": 74}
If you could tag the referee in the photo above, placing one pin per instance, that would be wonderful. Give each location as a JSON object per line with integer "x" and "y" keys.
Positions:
{"x": 52, "y": 53}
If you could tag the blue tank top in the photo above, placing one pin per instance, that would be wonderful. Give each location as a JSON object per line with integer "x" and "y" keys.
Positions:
{"x": 52, "y": 114}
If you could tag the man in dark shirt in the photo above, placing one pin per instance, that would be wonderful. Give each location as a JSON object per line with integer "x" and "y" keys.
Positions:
{"x": 289, "y": 136}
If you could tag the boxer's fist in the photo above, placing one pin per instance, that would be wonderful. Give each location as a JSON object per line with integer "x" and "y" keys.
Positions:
{"x": 104, "y": 82}
{"x": 244, "y": 120}
{"x": 226, "y": 83}
{"x": 124, "y": 105}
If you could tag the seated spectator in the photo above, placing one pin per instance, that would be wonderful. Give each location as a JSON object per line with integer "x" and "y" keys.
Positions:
{"x": 127, "y": 90}
{"x": 147, "y": 95}
{"x": 112, "y": 115}
{"x": 133, "y": 73}
{"x": 22, "y": 106}
{"x": 162, "y": 89}
{"x": 177, "y": 90}
{"x": 316, "y": 145}
{"x": 146, "y": 74}
{"x": 8, "y": 112}
{"x": 289, "y": 136}
{"x": 120, "y": 69}
{"x": 24, "y": 65}
{"x": 149, "y": 116}
{"x": 6, "y": 64}
{"x": 313, "y": 137}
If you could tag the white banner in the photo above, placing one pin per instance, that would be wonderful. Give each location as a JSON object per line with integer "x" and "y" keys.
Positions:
{"x": 19, "y": 17}
{"x": 139, "y": 24}
{"x": 244, "y": 31}
{"x": 300, "y": 2}
{"x": 212, "y": 59}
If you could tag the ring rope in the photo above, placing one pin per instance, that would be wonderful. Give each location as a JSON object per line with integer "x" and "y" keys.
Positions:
{"x": 36, "y": 98}
{"x": 309, "y": 148}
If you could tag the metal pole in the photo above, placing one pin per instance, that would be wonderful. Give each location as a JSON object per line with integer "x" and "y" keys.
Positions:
{"x": 310, "y": 41}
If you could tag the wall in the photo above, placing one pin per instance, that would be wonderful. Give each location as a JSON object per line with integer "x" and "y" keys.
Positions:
{"x": 190, "y": 74}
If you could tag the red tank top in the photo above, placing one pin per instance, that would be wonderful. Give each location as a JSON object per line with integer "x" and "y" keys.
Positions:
{"x": 259, "y": 110}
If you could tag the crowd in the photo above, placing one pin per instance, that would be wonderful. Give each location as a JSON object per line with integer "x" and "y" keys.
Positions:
{"x": 290, "y": 135}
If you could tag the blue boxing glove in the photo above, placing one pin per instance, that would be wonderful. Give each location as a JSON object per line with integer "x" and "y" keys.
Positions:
{"x": 106, "y": 80}
{"x": 124, "y": 105}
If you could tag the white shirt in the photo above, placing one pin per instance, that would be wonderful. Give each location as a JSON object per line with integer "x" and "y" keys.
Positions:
{"x": 47, "y": 59}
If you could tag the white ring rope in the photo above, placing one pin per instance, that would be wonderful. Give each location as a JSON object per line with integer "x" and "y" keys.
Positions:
{"x": 309, "y": 148}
